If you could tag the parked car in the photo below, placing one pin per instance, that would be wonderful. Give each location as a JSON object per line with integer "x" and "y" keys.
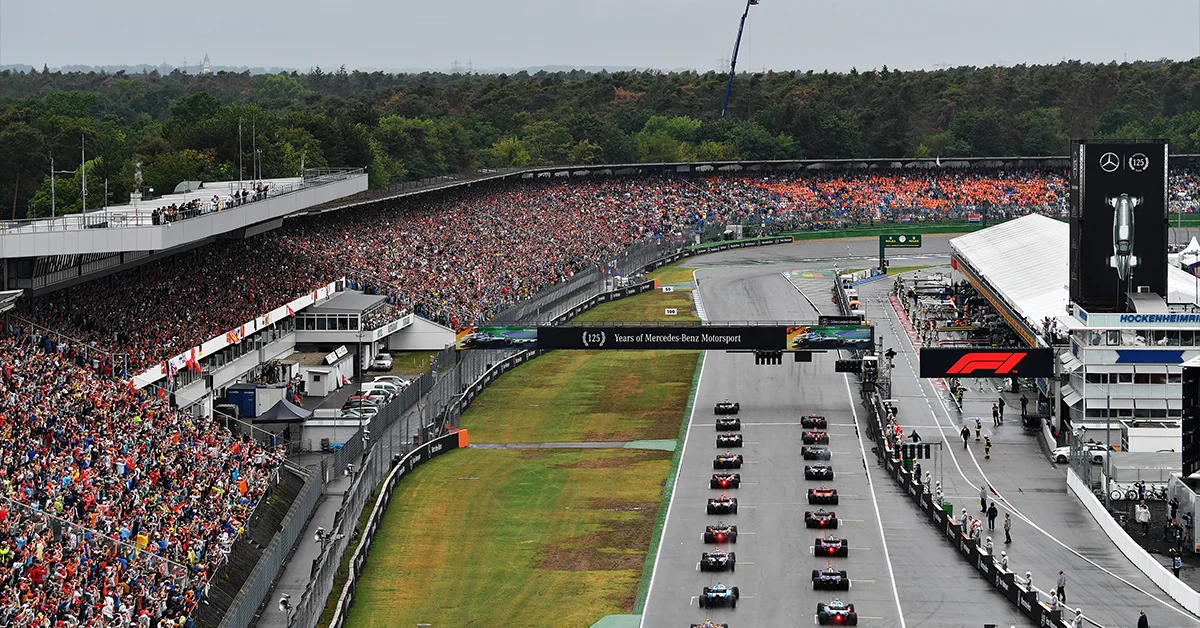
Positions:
{"x": 388, "y": 387}
{"x": 359, "y": 401}
{"x": 380, "y": 395}
{"x": 362, "y": 412}
{"x": 398, "y": 381}
{"x": 382, "y": 362}
{"x": 1096, "y": 451}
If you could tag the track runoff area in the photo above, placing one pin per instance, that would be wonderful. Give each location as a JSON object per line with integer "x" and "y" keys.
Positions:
{"x": 898, "y": 571}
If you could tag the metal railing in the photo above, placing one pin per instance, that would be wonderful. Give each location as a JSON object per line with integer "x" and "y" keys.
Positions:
{"x": 129, "y": 216}
{"x": 258, "y": 583}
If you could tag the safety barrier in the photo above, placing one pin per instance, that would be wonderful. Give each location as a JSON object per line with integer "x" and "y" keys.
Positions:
{"x": 716, "y": 248}
{"x": 1030, "y": 600}
{"x": 1155, "y": 571}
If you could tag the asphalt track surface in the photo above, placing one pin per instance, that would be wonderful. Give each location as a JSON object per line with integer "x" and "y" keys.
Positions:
{"x": 919, "y": 581}
{"x": 1055, "y": 532}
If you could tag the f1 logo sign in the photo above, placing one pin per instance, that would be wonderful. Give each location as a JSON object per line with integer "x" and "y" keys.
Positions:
{"x": 999, "y": 363}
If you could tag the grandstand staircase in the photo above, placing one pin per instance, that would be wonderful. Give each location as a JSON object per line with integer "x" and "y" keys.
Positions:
{"x": 263, "y": 525}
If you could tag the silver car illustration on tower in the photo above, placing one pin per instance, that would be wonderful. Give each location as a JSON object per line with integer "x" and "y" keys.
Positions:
{"x": 1123, "y": 258}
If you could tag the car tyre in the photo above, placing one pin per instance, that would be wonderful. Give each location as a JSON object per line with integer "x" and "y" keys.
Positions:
{"x": 702, "y": 600}
{"x": 1061, "y": 459}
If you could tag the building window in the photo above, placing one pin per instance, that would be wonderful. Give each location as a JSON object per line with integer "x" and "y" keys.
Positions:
{"x": 1114, "y": 337}
{"x": 1125, "y": 378}
{"x": 1141, "y": 378}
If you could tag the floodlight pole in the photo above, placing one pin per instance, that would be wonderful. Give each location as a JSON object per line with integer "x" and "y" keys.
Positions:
{"x": 733, "y": 62}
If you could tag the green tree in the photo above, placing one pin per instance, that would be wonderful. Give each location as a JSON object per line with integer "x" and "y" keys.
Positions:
{"x": 509, "y": 152}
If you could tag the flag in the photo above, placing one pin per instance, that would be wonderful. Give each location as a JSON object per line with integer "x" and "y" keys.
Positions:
{"x": 290, "y": 311}
{"x": 974, "y": 219}
{"x": 193, "y": 360}
{"x": 242, "y": 487}
{"x": 267, "y": 319}
{"x": 231, "y": 336}
{"x": 162, "y": 393}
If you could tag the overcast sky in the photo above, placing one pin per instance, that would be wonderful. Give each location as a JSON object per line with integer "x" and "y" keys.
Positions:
{"x": 666, "y": 34}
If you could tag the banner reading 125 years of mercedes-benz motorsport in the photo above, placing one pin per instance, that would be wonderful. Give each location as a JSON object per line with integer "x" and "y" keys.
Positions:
{"x": 1118, "y": 221}
{"x": 749, "y": 337}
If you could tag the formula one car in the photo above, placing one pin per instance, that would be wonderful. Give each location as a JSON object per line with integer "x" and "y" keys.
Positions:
{"x": 727, "y": 461}
{"x": 708, "y": 623}
{"x": 830, "y": 545}
{"x": 836, "y": 613}
{"x": 823, "y": 495}
{"x": 813, "y": 437}
{"x": 718, "y": 560}
{"x": 725, "y": 480}
{"x": 729, "y": 439}
{"x": 820, "y": 519}
{"x": 818, "y": 472}
{"x": 723, "y": 505}
{"x": 814, "y": 422}
{"x": 830, "y": 578}
{"x": 720, "y": 533}
{"x": 729, "y": 424}
{"x": 1123, "y": 258}
{"x": 727, "y": 407}
{"x": 814, "y": 452}
{"x": 719, "y": 595}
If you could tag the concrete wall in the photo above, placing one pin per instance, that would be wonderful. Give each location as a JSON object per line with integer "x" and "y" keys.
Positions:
{"x": 422, "y": 335}
{"x": 1147, "y": 564}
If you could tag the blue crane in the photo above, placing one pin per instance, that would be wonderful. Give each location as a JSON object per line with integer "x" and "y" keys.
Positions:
{"x": 733, "y": 63}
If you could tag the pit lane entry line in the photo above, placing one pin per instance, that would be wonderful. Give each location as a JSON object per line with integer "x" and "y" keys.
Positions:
{"x": 892, "y": 319}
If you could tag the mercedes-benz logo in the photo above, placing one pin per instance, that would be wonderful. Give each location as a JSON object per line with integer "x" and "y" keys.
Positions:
{"x": 1109, "y": 162}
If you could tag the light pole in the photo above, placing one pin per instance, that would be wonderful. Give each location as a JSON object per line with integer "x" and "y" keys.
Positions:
{"x": 54, "y": 172}
{"x": 733, "y": 62}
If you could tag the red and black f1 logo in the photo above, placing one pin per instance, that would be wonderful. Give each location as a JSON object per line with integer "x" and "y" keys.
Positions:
{"x": 987, "y": 362}
{"x": 997, "y": 363}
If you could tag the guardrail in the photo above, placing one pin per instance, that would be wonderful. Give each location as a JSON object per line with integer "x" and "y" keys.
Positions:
{"x": 1027, "y": 599}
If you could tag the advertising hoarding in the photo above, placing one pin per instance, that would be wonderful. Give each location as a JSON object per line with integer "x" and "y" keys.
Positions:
{"x": 947, "y": 362}
{"x": 496, "y": 337}
{"x": 1119, "y": 224}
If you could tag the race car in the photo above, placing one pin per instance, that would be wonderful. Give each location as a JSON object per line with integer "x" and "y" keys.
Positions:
{"x": 727, "y": 407}
{"x": 813, "y": 437}
{"x": 723, "y": 505}
{"x": 836, "y": 613}
{"x": 729, "y": 439}
{"x": 719, "y": 595}
{"x": 818, "y": 472}
{"x": 823, "y": 495}
{"x": 830, "y": 578}
{"x": 820, "y": 519}
{"x": 830, "y": 545}
{"x": 814, "y": 452}
{"x": 718, "y": 560}
{"x": 729, "y": 424}
{"x": 708, "y": 623}
{"x": 725, "y": 480}
{"x": 814, "y": 422}
{"x": 720, "y": 533}
{"x": 727, "y": 461}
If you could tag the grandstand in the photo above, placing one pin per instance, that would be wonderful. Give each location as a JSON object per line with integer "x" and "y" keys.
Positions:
{"x": 129, "y": 480}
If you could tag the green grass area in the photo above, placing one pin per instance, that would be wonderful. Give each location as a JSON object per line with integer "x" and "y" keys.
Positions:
{"x": 585, "y": 396}
{"x": 647, "y": 306}
{"x": 513, "y": 538}
{"x": 409, "y": 363}
{"x": 896, "y": 270}
{"x": 673, "y": 273}
{"x": 922, "y": 228}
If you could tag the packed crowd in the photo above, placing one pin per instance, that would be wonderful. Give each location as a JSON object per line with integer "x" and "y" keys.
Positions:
{"x": 115, "y": 510}
{"x": 460, "y": 257}
{"x": 198, "y": 207}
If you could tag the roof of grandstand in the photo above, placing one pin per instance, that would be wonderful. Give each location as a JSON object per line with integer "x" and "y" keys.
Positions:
{"x": 347, "y": 302}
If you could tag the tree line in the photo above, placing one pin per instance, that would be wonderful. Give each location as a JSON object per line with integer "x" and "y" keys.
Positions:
{"x": 176, "y": 127}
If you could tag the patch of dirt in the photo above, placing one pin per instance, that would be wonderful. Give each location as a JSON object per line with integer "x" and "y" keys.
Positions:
{"x": 626, "y": 543}
{"x": 632, "y": 456}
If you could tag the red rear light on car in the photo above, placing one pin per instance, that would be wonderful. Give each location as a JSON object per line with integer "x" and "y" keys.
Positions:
{"x": 724, "y": 482}
{"x": 830, "y": 550}
{"x": 720, "y": 536}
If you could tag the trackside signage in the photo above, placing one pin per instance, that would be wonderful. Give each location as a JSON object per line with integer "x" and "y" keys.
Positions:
{"x": 1141, "y": 320}
{"x": 987, "y": 362}
{"x": 771, "y": 338}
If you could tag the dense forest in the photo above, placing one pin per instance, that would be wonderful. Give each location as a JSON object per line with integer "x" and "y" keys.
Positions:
{"x": 180, "y": 126}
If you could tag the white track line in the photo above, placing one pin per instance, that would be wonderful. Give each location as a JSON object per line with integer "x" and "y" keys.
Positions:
{"x": 922, "y": 383}
{"x": 874, "y": 502}
{"x": 674, "y": 488}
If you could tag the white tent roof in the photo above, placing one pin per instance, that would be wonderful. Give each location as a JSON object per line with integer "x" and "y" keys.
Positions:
{"x": 1026, "y": 260}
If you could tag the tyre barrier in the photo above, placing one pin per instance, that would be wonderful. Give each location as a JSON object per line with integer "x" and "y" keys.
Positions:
{"x": 1030, "y": 600}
